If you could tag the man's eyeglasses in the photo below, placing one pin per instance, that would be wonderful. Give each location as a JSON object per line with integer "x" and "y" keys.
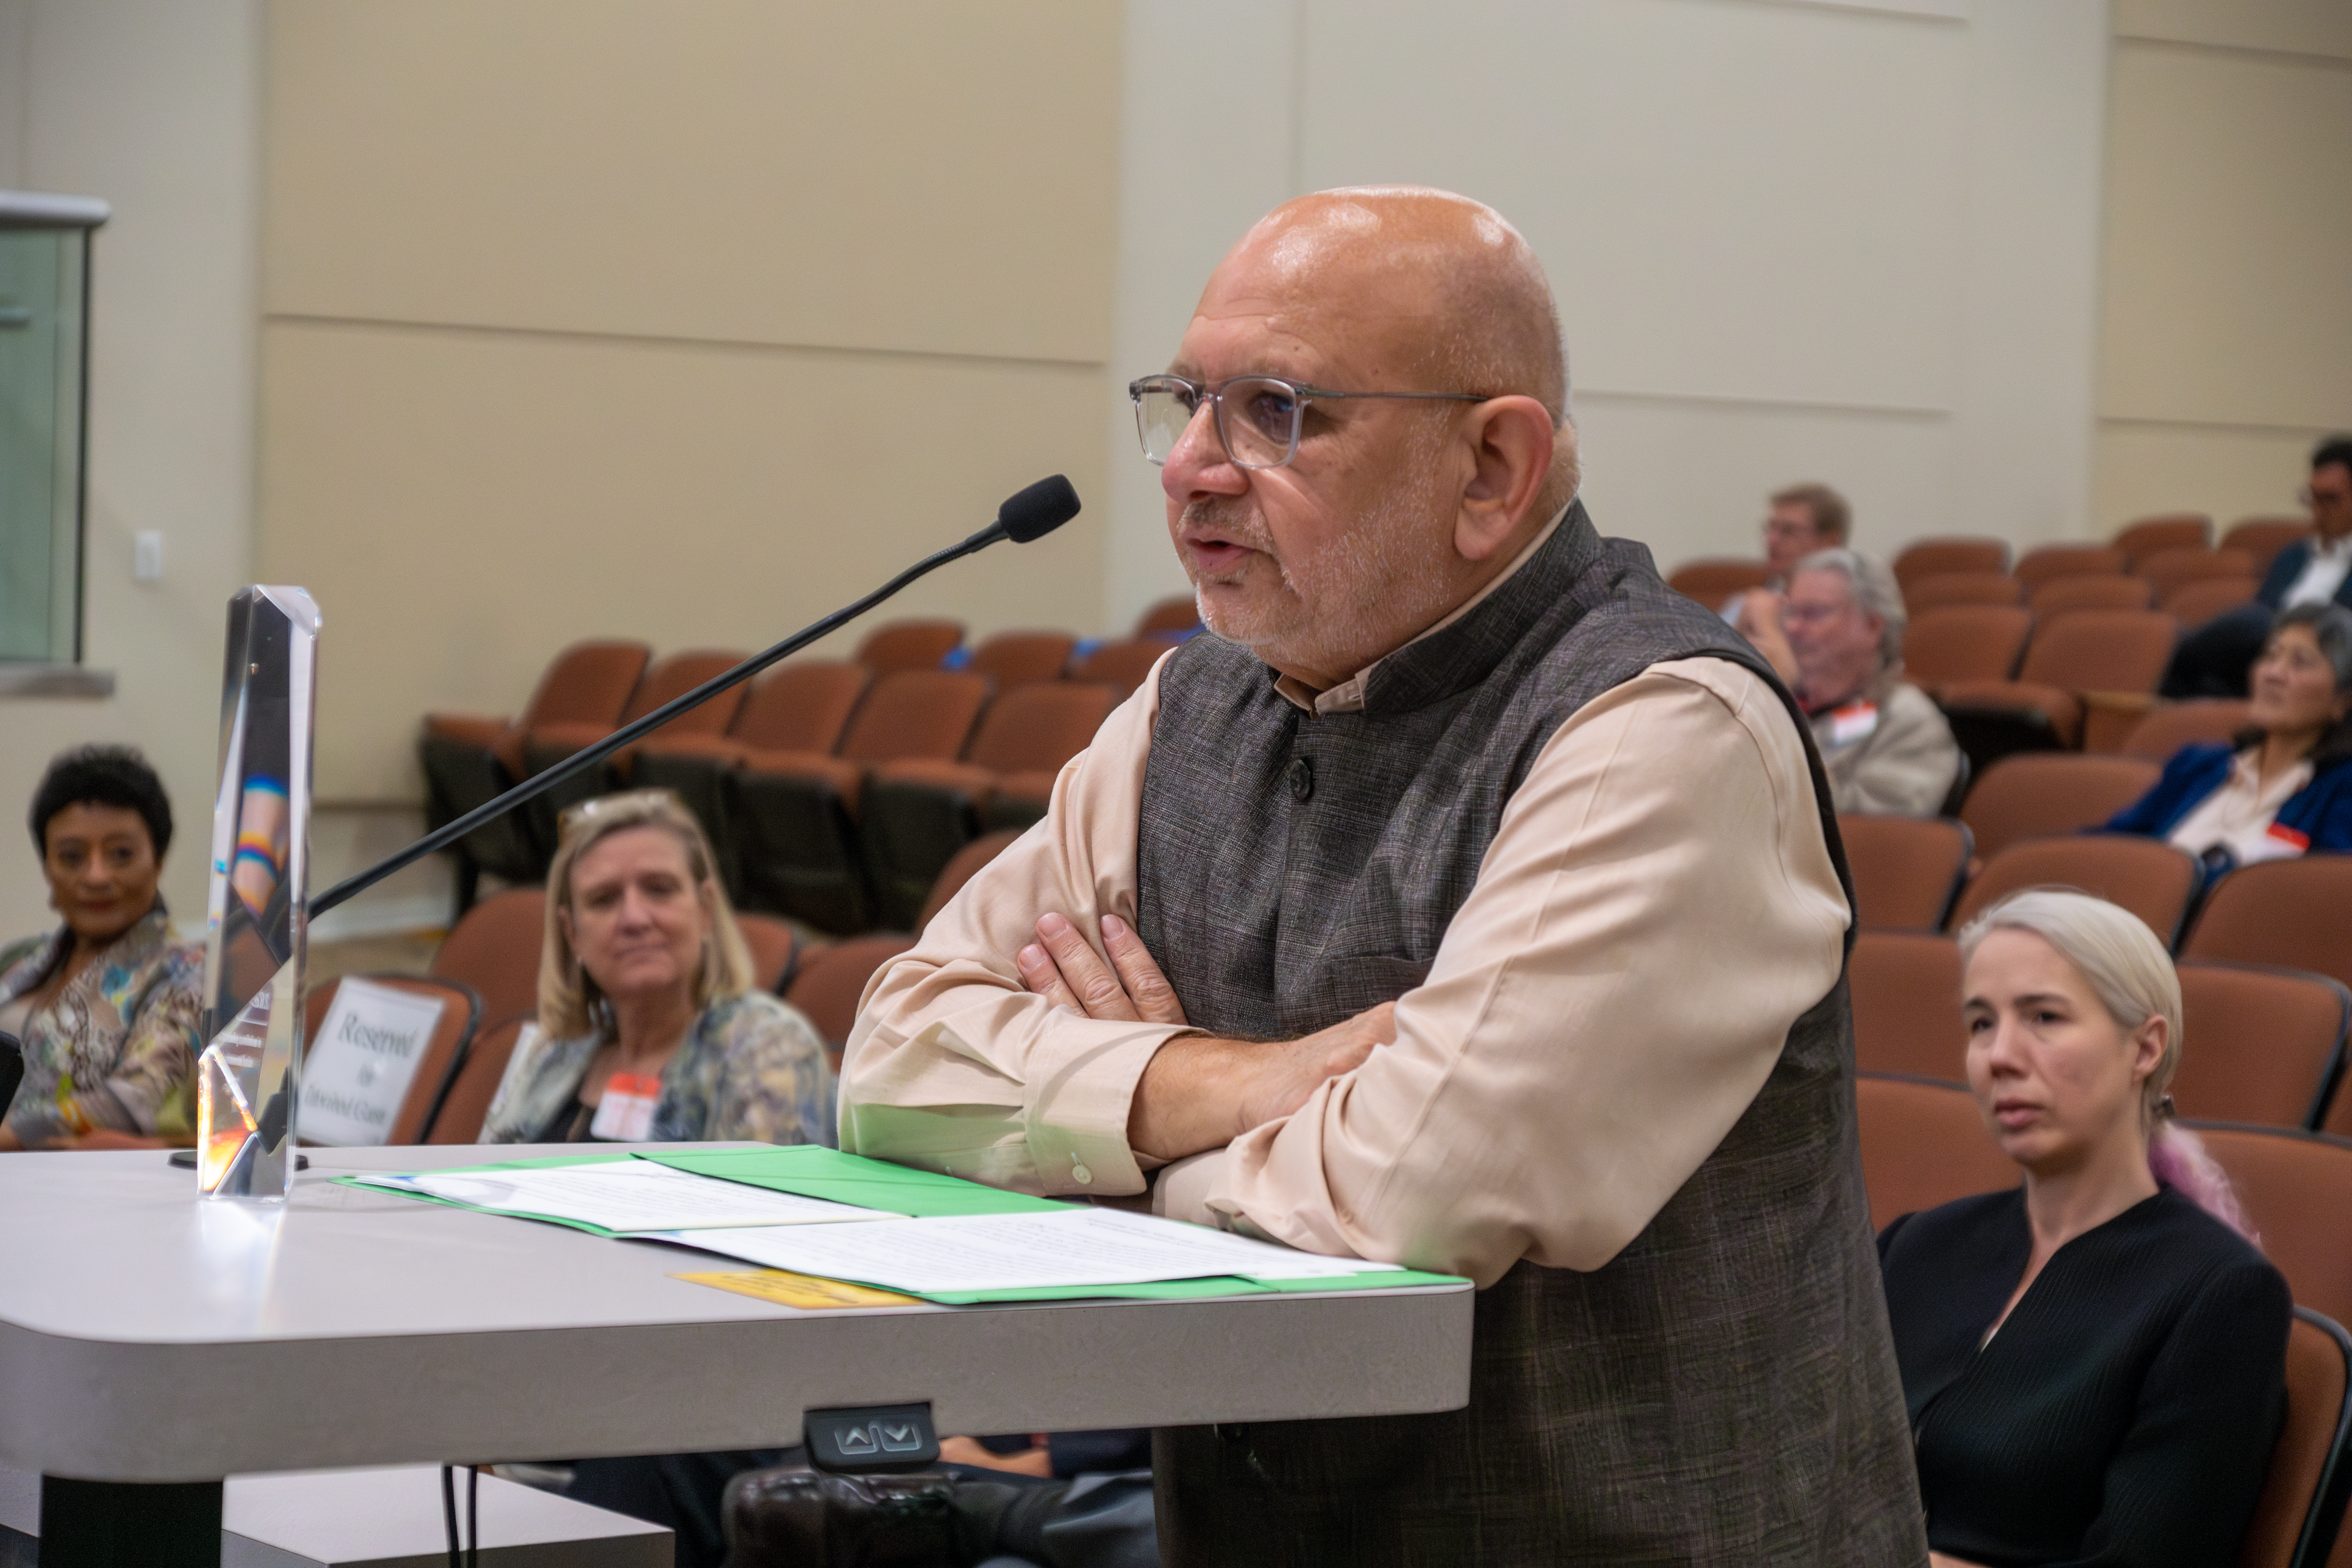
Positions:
{"x": 1257, "y": 417}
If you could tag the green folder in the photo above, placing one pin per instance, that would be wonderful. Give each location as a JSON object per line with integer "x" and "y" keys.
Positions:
{"x": 1186, "y": 1289}
{"x": 811, "y": 1171}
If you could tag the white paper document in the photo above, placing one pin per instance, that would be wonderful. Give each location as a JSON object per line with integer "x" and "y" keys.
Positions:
{"x": 627, "y": 1196}
{"x": 1018, "y": 1251}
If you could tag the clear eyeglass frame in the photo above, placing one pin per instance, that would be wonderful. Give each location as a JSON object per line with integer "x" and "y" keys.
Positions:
{"x": 1272, "y": 411}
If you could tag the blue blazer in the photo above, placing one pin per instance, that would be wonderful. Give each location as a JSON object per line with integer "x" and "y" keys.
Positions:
{"x": 2285, "y": 567}
{"x": 2321, "y": 810}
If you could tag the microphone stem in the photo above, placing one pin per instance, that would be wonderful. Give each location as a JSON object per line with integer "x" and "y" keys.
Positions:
{"x": 581, "y": 761}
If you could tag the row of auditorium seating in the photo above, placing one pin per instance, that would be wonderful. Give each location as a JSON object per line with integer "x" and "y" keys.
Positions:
{"x": 2265, "y": 953}
{"x": 1925, "y": 1143}
{"x": 834, "y": 792}
{"x": 486, "y": 977}
{"x": 2065, "y": 650}
{"x": 2165, "y": 550}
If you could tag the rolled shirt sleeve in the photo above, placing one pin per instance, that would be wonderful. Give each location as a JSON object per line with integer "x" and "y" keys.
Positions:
{"x": 954, "y": 1066}
{"x": 1657, "y": 907}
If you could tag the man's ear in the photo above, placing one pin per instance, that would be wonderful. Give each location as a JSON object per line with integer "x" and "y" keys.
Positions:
{"x": 1511, "y": 447}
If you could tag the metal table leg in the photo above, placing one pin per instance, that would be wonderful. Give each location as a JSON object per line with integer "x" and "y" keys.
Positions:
{"x": 119, "y": 1524}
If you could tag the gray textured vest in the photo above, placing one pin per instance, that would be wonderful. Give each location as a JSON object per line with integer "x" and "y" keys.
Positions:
{"x": 1722, "y": 1391}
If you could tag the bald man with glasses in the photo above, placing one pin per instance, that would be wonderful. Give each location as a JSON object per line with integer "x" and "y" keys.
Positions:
{"x": 1466, "y": 900}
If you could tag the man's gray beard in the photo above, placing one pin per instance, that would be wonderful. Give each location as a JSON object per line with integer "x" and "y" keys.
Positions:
{"x": 1382, "y": 571}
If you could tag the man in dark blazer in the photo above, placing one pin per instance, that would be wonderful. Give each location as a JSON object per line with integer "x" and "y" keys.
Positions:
{"x": 2213, "y": 660}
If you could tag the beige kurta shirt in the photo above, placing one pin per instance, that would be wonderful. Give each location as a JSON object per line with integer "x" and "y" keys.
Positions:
{"x": 1657, "y": 907}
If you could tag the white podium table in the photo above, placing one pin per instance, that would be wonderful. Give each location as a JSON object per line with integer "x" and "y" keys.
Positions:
{"x": 150, "y": 1338}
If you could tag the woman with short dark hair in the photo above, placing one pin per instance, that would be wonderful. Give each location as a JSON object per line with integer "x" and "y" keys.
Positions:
{"x": 107, "y": 1006}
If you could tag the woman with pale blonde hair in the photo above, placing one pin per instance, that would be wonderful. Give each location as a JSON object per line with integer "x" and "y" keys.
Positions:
{"x": 650, "y": 1027}
{"x": 2095, "y": 1361}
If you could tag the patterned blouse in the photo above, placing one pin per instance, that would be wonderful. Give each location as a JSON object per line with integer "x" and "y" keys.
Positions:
{"x": 117, "y": 1048}
{"x": 751, "y": 1067}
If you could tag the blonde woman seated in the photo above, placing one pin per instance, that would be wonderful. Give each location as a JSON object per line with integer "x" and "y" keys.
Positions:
{"x": 2095, "y": 1361}
{"x": 650, "y": 1027}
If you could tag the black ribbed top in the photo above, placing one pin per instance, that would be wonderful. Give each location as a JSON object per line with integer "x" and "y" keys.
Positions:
{"x": 2124, "y": 1414}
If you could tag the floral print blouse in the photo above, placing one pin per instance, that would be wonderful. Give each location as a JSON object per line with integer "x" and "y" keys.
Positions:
{"x": 117, "y": 1048}
{"x": 751, "y": 1067}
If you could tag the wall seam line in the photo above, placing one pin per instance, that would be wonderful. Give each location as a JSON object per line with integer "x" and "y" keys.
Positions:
{"x": 1769, "y": 405}
{"x": 2242, "y": 51}
{"x": 2246, "y": 427}
{"x": 667, "y": 339}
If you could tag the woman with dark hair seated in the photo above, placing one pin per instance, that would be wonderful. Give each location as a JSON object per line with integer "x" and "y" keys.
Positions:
{"x": 2281, "y": 787}
{"x": 2094, "y": 1362}
{"x": 107, "y": 1006}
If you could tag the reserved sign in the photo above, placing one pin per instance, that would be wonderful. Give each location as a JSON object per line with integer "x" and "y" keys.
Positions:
{"x": 356, "y": 1074}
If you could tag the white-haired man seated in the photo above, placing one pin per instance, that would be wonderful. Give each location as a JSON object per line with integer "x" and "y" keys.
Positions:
{"x": 1884, "y": 741}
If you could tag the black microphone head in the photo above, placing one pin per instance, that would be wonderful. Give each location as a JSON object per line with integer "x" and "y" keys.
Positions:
{"x": 1038, "y": 511}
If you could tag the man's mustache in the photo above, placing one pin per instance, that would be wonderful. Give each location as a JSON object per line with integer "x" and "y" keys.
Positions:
{"x": 1232, "y": 520}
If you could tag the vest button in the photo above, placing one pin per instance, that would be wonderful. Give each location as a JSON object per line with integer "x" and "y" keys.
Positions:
{"x": 1302, "y": 777}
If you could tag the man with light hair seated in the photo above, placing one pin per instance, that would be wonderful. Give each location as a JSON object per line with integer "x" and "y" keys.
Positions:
{"x": 1884, "y": 741}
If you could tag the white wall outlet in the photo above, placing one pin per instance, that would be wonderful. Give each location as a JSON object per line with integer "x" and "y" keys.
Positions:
{"x": 147, "y": 556}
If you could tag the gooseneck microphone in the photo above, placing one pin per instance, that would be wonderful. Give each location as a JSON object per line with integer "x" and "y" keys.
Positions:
{"x": 1026, "y": 515}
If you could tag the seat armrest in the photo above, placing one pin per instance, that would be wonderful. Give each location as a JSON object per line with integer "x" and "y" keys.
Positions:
{"x": 2110, "y": 717}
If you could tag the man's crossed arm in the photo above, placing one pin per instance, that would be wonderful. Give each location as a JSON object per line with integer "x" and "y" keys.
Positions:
{"x": 1200, "y": 1091}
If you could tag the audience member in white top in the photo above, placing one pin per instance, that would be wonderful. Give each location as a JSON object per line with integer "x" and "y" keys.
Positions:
{"x": 2331, "y": 558}
{"x": 1804, "y": 519}
{"x": 1884, "y": 742}
{"x": 2215, "y": 659}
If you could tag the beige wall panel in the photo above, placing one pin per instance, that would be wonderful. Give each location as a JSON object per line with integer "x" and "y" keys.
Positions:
{"x": 2145, "y": 470}
{"x": 1732, "y": 201}
{"x": 1690, "y": 479}
{"x": 1788, "y": 241}
{"x": 463, "y": 504}
{"x": 153, "y": 105}
{"x": 2296, "y": 27}
{"x": 913, "y": 175}
{"x": 2229, "y": 241}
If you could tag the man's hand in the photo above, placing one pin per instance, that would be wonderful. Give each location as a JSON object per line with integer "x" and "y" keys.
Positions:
{"x": 1034, "y": 1460}
{"x": 1061, "y": 967}
{"x": 1199, "y": 1091}
{"x": 108, "y": 1137}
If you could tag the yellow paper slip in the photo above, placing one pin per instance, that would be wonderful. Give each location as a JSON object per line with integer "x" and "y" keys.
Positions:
{"x": 805, "y": 1291}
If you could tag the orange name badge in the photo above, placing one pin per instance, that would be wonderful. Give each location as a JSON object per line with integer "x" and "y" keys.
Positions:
{"x": 625, "y": 1115}
{"x": 1853, "y": 723}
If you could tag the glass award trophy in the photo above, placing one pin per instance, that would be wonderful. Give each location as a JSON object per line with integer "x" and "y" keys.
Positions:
{"x": 257, "y": 909}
